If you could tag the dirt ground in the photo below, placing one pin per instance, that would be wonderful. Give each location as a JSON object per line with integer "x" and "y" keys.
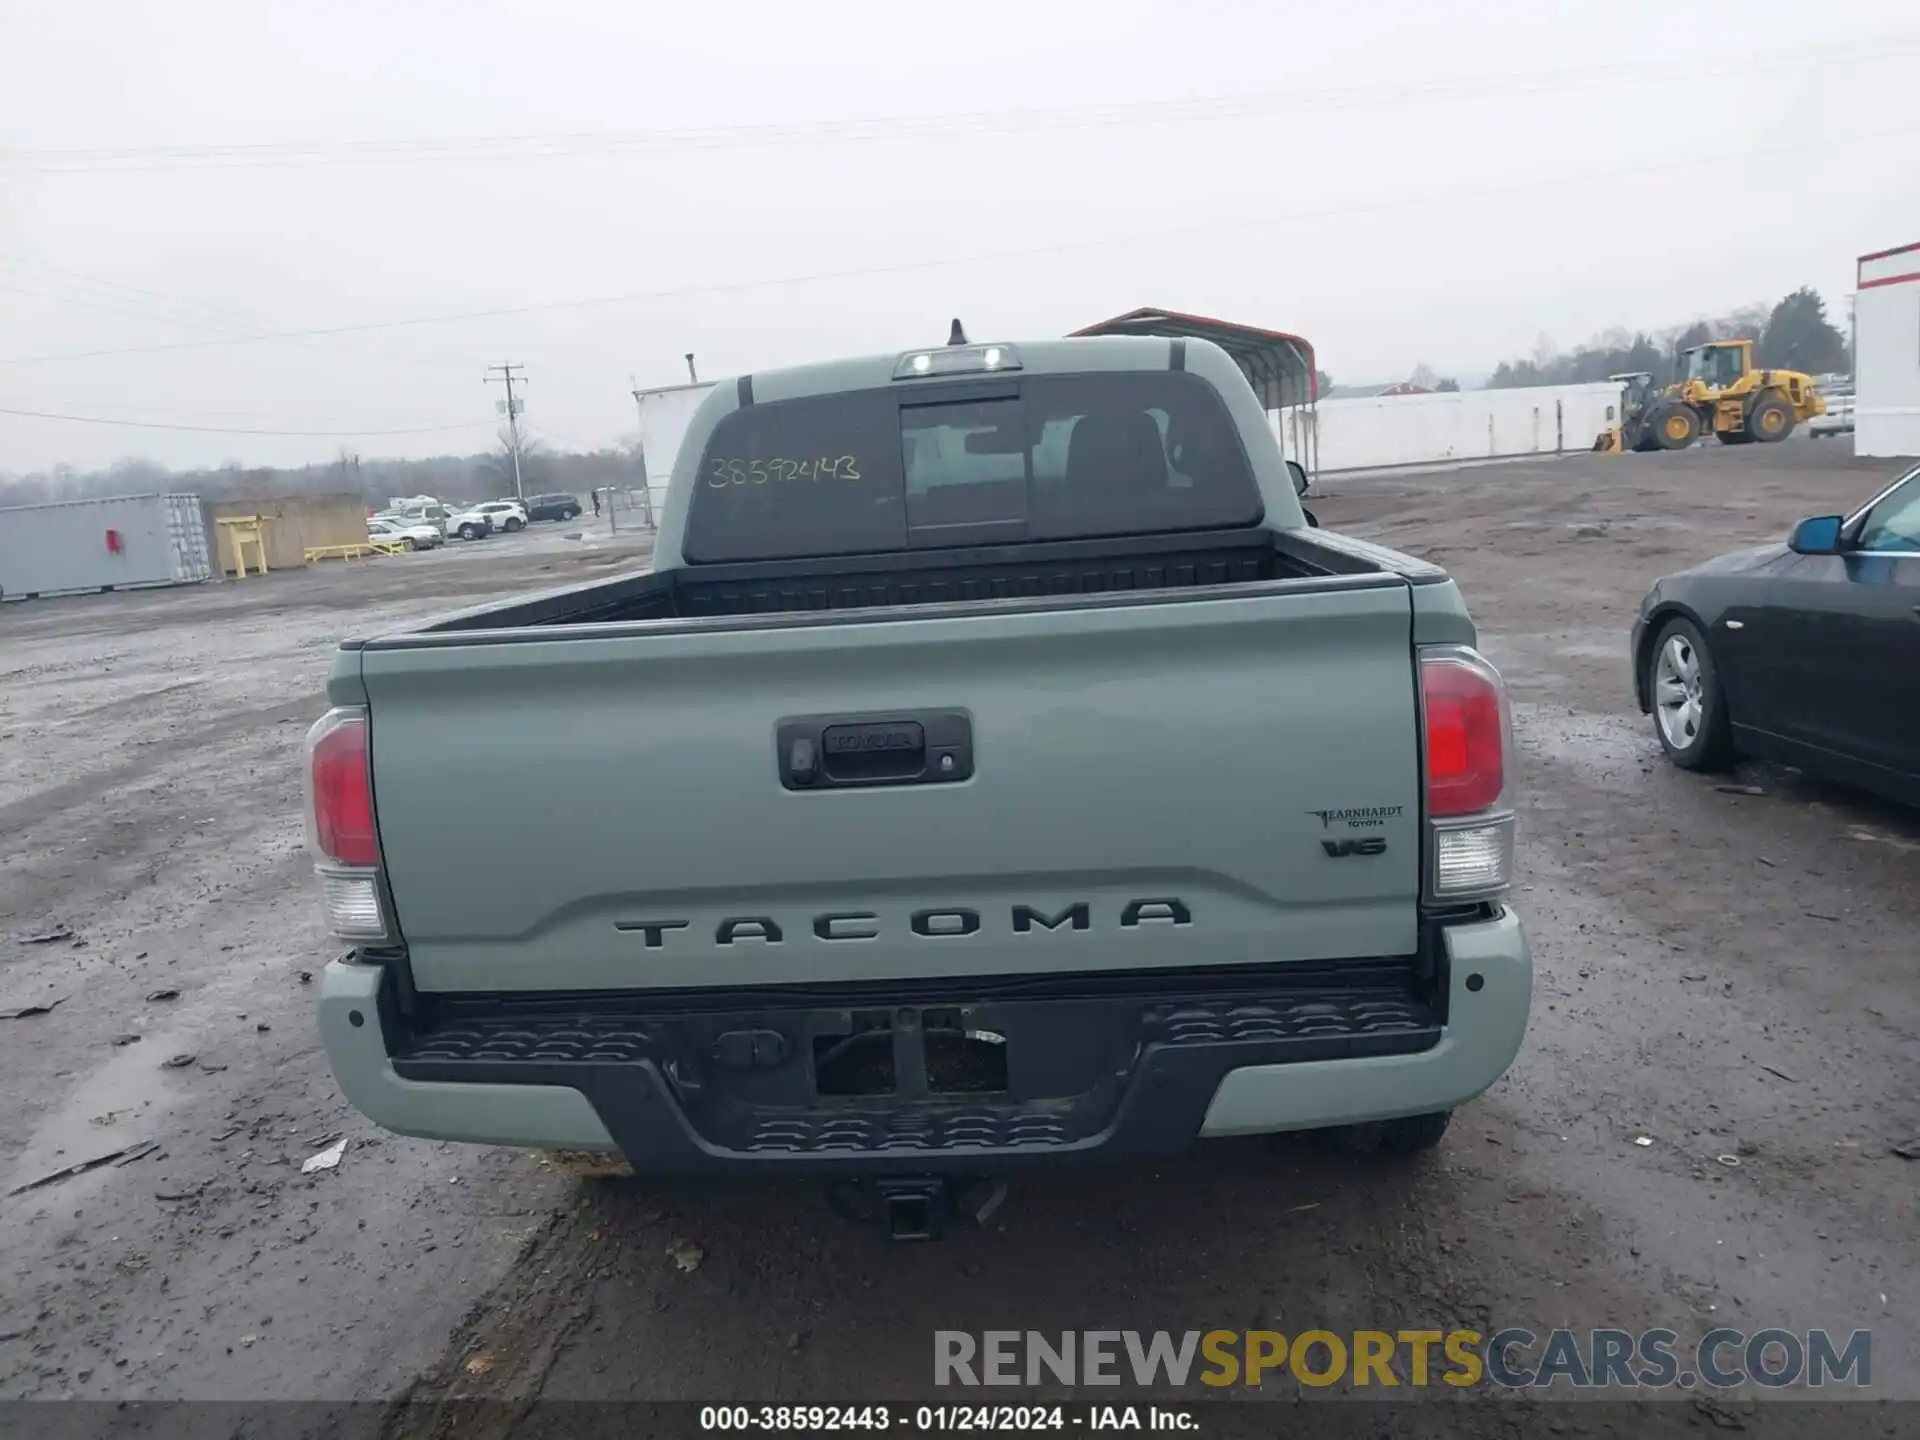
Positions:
{"x": 1728, "y": 970}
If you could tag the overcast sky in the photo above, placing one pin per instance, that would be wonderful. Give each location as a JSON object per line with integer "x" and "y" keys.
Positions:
{"x": 1399, "y": 182}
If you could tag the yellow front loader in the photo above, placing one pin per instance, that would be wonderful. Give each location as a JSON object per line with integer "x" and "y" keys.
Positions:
{"x": 1720, "y": 391}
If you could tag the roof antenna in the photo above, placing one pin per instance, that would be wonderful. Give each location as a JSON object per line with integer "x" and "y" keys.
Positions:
{"x": 957, "y": 336}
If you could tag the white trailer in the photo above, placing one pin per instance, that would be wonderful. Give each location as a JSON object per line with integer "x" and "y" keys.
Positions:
{"x": 665, "y": 414}
{"x": 1886, "y": 367}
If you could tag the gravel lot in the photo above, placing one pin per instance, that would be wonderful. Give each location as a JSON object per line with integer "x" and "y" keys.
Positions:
{"x": 1728, "y": 973}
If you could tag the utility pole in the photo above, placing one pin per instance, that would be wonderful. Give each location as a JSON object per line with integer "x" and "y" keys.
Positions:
{"x": 513, "y": 417}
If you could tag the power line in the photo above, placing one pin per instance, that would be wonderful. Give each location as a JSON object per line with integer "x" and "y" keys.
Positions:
{"x": 101, "y": 302}
{"x": 235, "y": 430}
{"x": 546, "y": 434}
{"x": 123, "y": 407}
{"x": 175, "y": 310}
{"x": 1392, "y": 204}
{"x": 1866, "y": 50}
{"x": 221, "y": 320}
{"x": 48, "y": 288}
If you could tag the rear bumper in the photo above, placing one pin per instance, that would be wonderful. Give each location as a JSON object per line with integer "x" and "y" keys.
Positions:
{"x": 1489, "y": 975}
{"x": 1161, "y": 1069}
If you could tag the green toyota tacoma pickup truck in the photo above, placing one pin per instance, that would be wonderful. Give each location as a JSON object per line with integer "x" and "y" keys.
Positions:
{"x": 997, "y": 767}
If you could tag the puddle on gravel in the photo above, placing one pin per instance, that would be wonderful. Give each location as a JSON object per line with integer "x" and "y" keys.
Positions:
{"x": 121, "y": 1104}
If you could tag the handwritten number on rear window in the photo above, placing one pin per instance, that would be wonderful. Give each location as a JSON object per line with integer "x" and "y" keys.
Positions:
{"x": 723, "y": 472}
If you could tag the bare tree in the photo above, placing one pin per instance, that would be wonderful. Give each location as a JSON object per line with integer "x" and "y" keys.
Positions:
{"x": 137, "y": 476}
{"x": 346, "y": 469}
{"x": 535, "y": 462}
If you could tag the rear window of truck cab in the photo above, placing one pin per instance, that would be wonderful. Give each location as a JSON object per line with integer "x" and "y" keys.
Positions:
{"x": 913, "y": 466}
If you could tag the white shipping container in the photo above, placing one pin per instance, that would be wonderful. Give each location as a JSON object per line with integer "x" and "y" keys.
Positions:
{"x": 77, "y": 547}
{"x": 1382, "y": 431}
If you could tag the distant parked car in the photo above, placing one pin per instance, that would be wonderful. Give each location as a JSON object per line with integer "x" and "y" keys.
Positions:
{"x": 449, "y": 520}
{"x": 1839, "y": 417}
{"x": 469, "y": 522}
{"x": 508, "y": 515}
{"x": 414, "y": 534}
{"x": 552, "y": 507}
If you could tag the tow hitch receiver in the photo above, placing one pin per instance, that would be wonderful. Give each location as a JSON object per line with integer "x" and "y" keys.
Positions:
{"x": 916, "y": 1207}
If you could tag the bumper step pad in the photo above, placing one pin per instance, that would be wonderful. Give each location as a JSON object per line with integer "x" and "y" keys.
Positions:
{"x": 1120, "y": 1070}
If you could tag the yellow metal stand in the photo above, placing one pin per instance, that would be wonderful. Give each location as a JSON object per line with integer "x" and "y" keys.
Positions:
{"x": 242, "y": 531}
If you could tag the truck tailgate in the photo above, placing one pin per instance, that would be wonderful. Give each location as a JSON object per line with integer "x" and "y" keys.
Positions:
{"x": 1196, "y": 782}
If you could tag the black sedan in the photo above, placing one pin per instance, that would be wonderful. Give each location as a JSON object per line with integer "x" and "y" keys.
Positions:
{"x": 1806, "y": 653}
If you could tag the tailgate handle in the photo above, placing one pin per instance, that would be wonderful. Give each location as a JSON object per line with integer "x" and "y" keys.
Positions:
{"x": 829, "y": 752}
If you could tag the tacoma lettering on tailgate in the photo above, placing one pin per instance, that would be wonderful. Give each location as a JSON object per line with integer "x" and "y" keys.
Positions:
{"x": 934, "y": 923}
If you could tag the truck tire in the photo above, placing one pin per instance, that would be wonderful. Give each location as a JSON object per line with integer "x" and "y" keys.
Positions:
{"x": 1410, "y": 1135}
{"x": 1689, "y": 705}
{"x": 469, "y": 532}
{"x": 1770, "y": 420}
{"x": 1675, "y": 427}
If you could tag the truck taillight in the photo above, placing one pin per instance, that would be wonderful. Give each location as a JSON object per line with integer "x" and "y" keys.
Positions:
{"x": 340, "y": 825}
{"x": 1466, "y": 746}
{"x": 340, "y": 790}
{"x": 1464, "y": 708}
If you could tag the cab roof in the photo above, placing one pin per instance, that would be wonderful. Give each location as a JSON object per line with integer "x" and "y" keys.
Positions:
{"x": 873, "y": 372}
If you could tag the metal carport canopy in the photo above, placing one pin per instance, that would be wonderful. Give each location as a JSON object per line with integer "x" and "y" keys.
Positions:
{"x": 1279, "y": 366}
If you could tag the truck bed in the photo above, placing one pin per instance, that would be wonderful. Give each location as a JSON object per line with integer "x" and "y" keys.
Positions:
{"x": 1129, "y": 715}
{"x": 1130, "y": 569}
